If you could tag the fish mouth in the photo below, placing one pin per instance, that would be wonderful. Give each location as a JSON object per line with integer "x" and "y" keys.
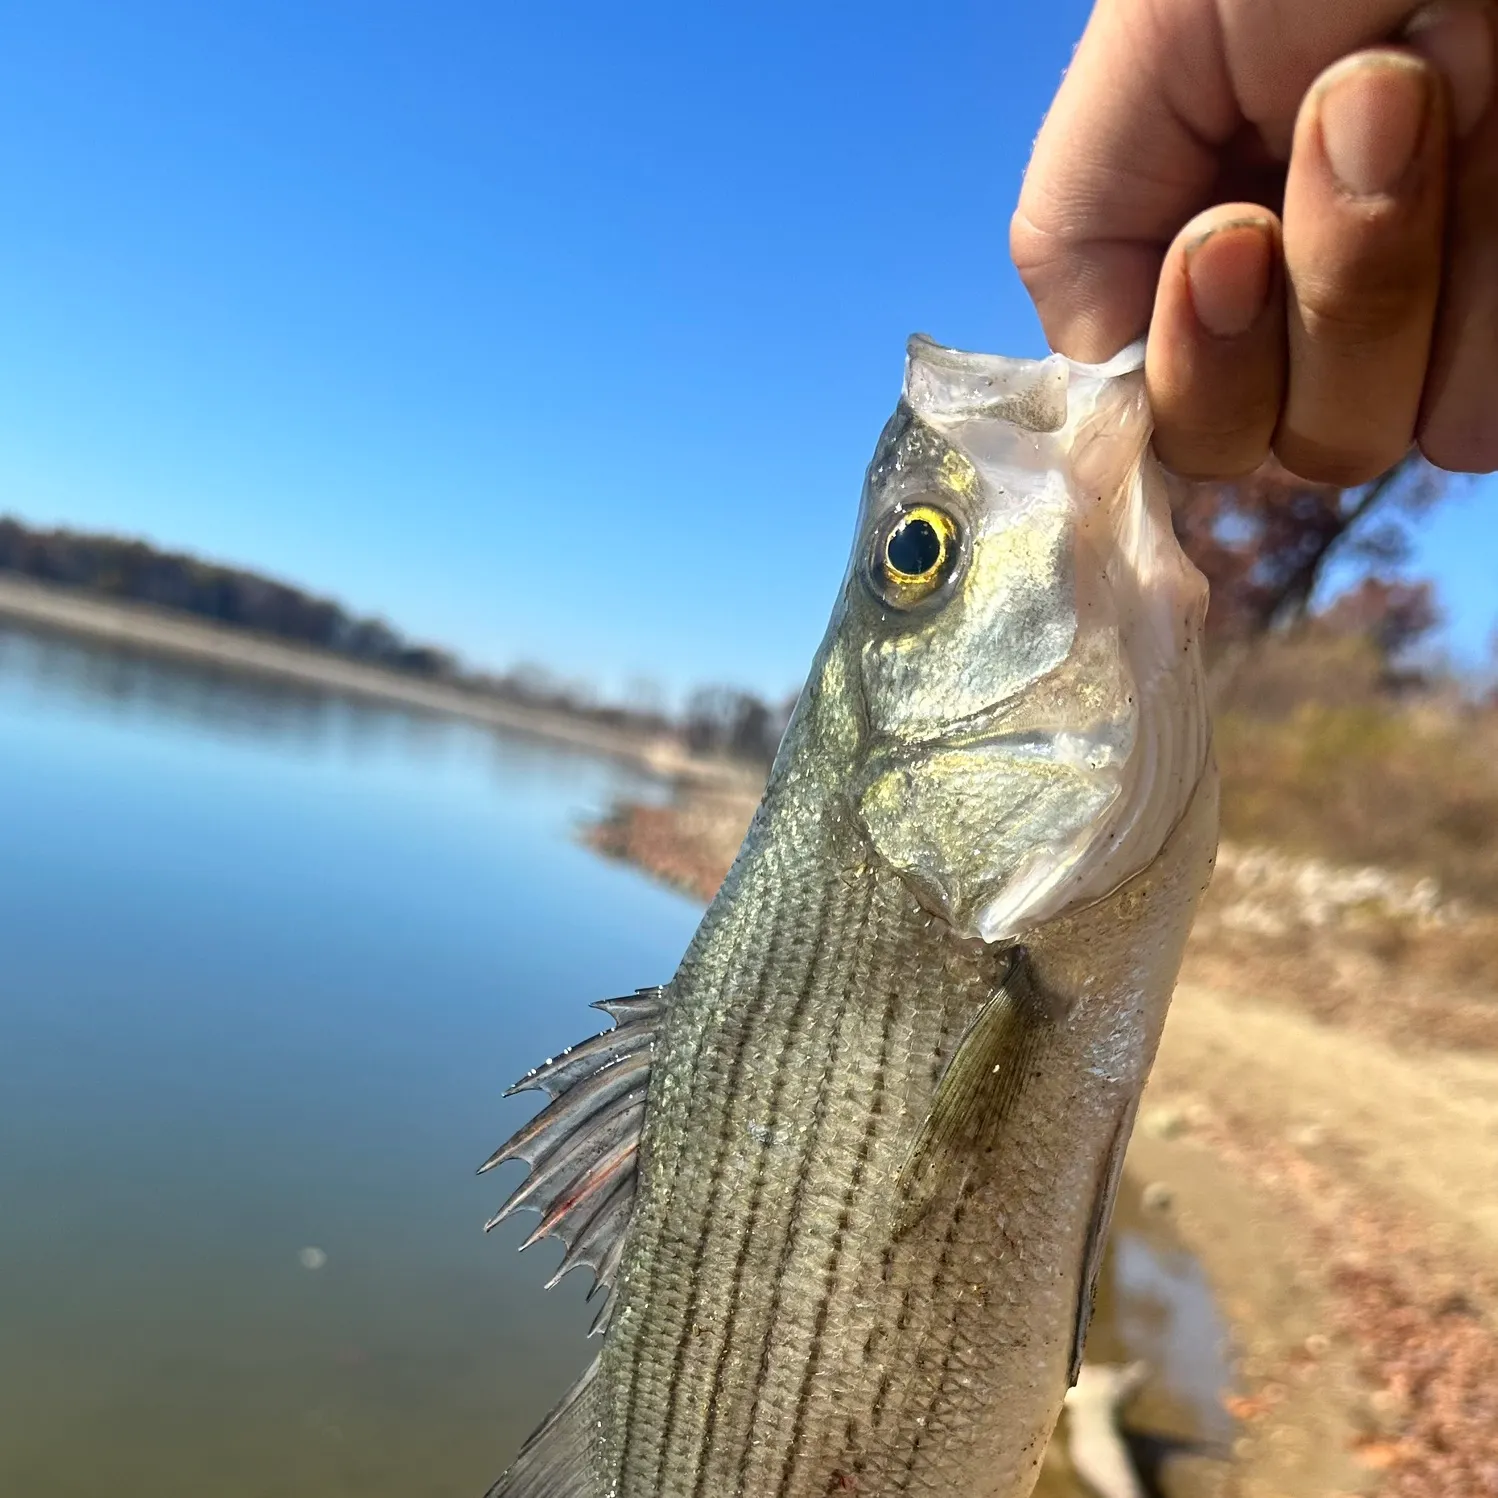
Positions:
{"x": 1014, "y": 727}
{"x": 1090, "y": 750}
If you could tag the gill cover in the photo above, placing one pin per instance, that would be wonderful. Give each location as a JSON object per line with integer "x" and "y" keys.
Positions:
{"x": 1035, "y": 712}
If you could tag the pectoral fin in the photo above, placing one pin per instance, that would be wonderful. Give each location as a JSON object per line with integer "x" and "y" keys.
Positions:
{"x": 988, "y": 1070}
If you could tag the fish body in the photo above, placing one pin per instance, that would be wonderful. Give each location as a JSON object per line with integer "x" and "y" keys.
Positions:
{"x": 847, "y": 1176}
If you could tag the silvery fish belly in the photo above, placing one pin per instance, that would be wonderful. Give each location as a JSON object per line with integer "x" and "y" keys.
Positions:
{"x": 845, "y": 1179}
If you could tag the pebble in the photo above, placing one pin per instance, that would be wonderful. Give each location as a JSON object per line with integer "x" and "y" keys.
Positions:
{"x": 1390, "y": 1410}
{"x": 1164, "y": 1123}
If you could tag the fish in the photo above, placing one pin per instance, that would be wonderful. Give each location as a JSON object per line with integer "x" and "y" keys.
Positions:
{"x": 844, "y": 1181}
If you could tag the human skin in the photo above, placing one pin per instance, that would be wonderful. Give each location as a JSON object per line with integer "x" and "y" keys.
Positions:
{"x": 1298, "y": 200}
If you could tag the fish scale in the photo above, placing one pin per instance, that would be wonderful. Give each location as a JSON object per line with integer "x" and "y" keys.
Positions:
{"x": 853, "y": 1245}
{"x": 762, "y": 985}
{"x": 857, "y": 1005}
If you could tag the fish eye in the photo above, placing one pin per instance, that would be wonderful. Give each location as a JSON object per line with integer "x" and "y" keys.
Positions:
{"x": 915, "y": 552}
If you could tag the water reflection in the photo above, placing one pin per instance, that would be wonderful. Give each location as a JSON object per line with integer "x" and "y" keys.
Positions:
{"x": 1155, "y": 1306}
{"x": 131, "y": 684}
{"x": 1158, "y": 1306}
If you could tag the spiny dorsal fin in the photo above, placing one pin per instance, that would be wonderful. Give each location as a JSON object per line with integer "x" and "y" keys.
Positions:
{"x": 583, "y": 1147}
{"x": 987, "y": 1071}
{"x": 555, "y": 1461}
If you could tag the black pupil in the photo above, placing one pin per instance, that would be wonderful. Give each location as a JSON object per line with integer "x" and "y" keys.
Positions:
{"x": 915, "y": 548}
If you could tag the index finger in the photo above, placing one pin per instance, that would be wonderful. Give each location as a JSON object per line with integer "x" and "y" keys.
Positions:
{"x": 1138, "y": 135}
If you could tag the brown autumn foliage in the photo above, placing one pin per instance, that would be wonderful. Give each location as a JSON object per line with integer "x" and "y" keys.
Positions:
{"x": 1266, "y": 541}
{"x": 1320, "y": 757}
{"x": 1338, "y": 755}
{"x": 1330, "y": 743}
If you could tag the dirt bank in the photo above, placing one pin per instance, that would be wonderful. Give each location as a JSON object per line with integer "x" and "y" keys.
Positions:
{"x": 1341, "y": 1195}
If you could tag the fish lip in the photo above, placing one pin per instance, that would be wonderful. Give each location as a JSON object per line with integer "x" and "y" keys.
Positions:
{"x": 981, "y": 730}
{"x": 1128, "y": 360}
{"x": 1035, "y": 394}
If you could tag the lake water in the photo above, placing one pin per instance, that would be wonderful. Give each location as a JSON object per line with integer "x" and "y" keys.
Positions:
{"x": 269, "y": 960}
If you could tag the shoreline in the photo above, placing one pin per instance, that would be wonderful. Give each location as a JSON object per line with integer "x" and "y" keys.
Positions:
{"x": 144, "y": 627}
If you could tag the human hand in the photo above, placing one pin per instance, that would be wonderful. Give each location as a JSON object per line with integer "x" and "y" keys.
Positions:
{"x": 1334, "y": 298}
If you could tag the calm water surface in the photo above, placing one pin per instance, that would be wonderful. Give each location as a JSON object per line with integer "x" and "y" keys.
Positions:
{"x": 270, "y": 959}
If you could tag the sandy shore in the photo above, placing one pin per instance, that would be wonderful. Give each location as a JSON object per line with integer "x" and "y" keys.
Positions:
{"x": 1339, "y": 1192}
{"x": 162, "y": 631}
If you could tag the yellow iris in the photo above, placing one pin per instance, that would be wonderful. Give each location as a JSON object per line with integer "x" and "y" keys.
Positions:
{"x": 917, "y": 554}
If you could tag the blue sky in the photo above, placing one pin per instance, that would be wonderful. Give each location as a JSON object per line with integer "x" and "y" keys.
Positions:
{"x": 553, "y": 332}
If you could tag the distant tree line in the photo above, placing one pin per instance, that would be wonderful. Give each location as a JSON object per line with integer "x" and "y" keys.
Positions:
{"x": 727, "y": 721}
{"x": 1265, "y": 544}
{"x": 135, "y": 572}
{"x": 721, "y": 721}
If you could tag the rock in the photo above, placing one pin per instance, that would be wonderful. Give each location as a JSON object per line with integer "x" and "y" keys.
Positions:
{"x": 1096, "y": 1448}
{"x": 1156, "y": 1197}
{"x": 1164, "y": 1123}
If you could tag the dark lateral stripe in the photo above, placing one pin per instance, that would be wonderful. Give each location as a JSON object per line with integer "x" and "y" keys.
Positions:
{"x": 633, "y": 1426}
{"x": 851, "y": 935}
{"x": 730, "y": 1099}
{"x": 834, "y": 1261}
{"x": 756, "y": 1199}
{"x": 784, "y": 1065}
